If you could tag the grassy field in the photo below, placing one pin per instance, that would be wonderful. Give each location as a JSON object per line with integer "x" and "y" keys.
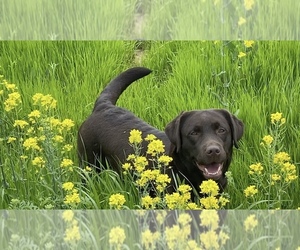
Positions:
{"x": 252, "y": 81}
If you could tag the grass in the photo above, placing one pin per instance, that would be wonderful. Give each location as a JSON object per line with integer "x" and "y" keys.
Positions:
{"x": 186, "y": 76}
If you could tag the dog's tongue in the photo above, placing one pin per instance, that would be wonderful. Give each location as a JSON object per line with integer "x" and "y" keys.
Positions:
{"x": 212, "y": 168}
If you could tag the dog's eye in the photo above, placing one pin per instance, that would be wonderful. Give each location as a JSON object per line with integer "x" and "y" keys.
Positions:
{"x": 221, "y": 130}
{"x": 193, "y": 133}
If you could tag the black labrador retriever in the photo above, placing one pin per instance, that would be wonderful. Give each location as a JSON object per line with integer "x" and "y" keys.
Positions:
{"x": 200, "y": 141}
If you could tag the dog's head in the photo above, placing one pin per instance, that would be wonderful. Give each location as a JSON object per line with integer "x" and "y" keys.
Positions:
{"x": 204, "y": 140}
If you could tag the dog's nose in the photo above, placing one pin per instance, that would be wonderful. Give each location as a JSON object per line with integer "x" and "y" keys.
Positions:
{"x": 212, "y": 150}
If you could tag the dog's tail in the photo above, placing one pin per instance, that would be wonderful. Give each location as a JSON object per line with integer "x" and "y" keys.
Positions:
{"x": 114, "y": 89}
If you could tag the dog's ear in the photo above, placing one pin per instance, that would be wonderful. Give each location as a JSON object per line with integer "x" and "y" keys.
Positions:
{"x": 173, "y": 131}
{"x": 236, "y": 126}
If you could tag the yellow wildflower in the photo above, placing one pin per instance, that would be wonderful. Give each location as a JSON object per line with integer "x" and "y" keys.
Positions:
{"x": 11, "y": 139}
{"x": 162, "y": 180}
{"x": 267, "y": 140}
{"x": 140, "y": 162}
{"x": 31, "y": 143}
{"x": 248, "y": 43}
{"x": 248, "y": 4}
{"x": 68, "y": 186}
{"x": 256, "y": 168}
{"x": 155, "y": 147}
{"x": 38, "y": 161}
{"x": 209, "y": 240}
{"x": 209, "y": 187}
{"x": 135, "y": 136}
{"x": 250, "y": 222}
{"x": 209, "y": 219}
{"x": 13, "y": 100}
{"x": 117, "y": 200}
{"x": 20, "y": 123}
{"x": 117, "y": 237}
{"x": 150, "y": 137}
{"x": 241, "y": 21}
{"x": 281, "y": 157}
{"x": 149, "y": 239}
{"x": 72, "y": 233}
{"x": 68, "y": 215}
{"x": 184, "y": 219}
{"x": 66, "y": 163}
{"x": 148, "y": 202}
{"x": 164, "y": 159}
{"x": 72, "y": 198}
{"x": 250, "y": 191}
{"x": 241, "y": 54}
{"x": 210, "y": 202}
{"x": 34, "y": 114}
{"x": 277, "y": 117}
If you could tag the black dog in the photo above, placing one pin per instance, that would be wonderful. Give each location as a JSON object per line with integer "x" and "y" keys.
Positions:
{"x": 200, "y": 142}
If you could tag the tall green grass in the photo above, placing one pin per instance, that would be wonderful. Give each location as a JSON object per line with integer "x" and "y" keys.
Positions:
{"x": 186, "y": 76}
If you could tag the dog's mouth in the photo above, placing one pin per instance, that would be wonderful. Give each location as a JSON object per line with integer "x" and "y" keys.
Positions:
{"x": 211, "y": 171}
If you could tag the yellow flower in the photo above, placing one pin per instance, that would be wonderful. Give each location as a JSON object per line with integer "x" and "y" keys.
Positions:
{"x": 67, "y": 124}
{"x": 117, "y": 200}
{"x": 131, "y": 157}
{"x": 164, "y": 159}
{"x": 68, "y": 215}
{"x": 210, "y": 202}
{"x": 250, "y": 222}
{"x": 149, "y": 239}
{"x": 148, "y": 202}
{"x": 176, "y": 201}
{"x": 277, "y": 117}
{"x": 72, "y": 233}
{"x": 250, "y": 191}
{"x": 248, "y": 43}
{"x": 140, "y": 162}
{"x": 38, "y": 161}
{"x": 275, "y": 177}
{"x": 223, "y": 201}
{"x": 135, "y": 136}
{"x": 241, "y": 54}
{"x": 72, "y": 198}
{"x": 248, "y": 4}
{"x": 192, "y": 206}
{"x": 223, "y": 237}
{"x": 209, "y": 187}
{"x": 11, "y": 139}
{"x": 267, "y": 140}
{"x": 66, "y": 163}
{"x": 209, "y": 219}
{"x": 58, "y": 138}
{"x": 241, "y": 21}
{"x": 34, "y": 114}
{"x": 127, "y": 166}
{"x": 209, "y": 240}
{"x": 155, "y": 147}
{"x": 281, "y": 157}
{"x": 174, "y": 237}
{"x": 67, "y": 147}
{"x": 10, "y": 86}
{"x": 192, "y": 244}
{"x": 13, "y": 100}
{"x": 48, "y": 102}
{"x": 256, "y": 168}
{"x": 117, "y": 237}
{"x": 184, "y": 219}
{"x": 31, "y": 143}
{"x": 150, "y": 137}
{"x": 68, "y": 186}
{"x": 162, "y": 180}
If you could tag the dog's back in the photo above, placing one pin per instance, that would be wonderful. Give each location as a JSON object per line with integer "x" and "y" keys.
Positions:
{"x": 104, "y": 135}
